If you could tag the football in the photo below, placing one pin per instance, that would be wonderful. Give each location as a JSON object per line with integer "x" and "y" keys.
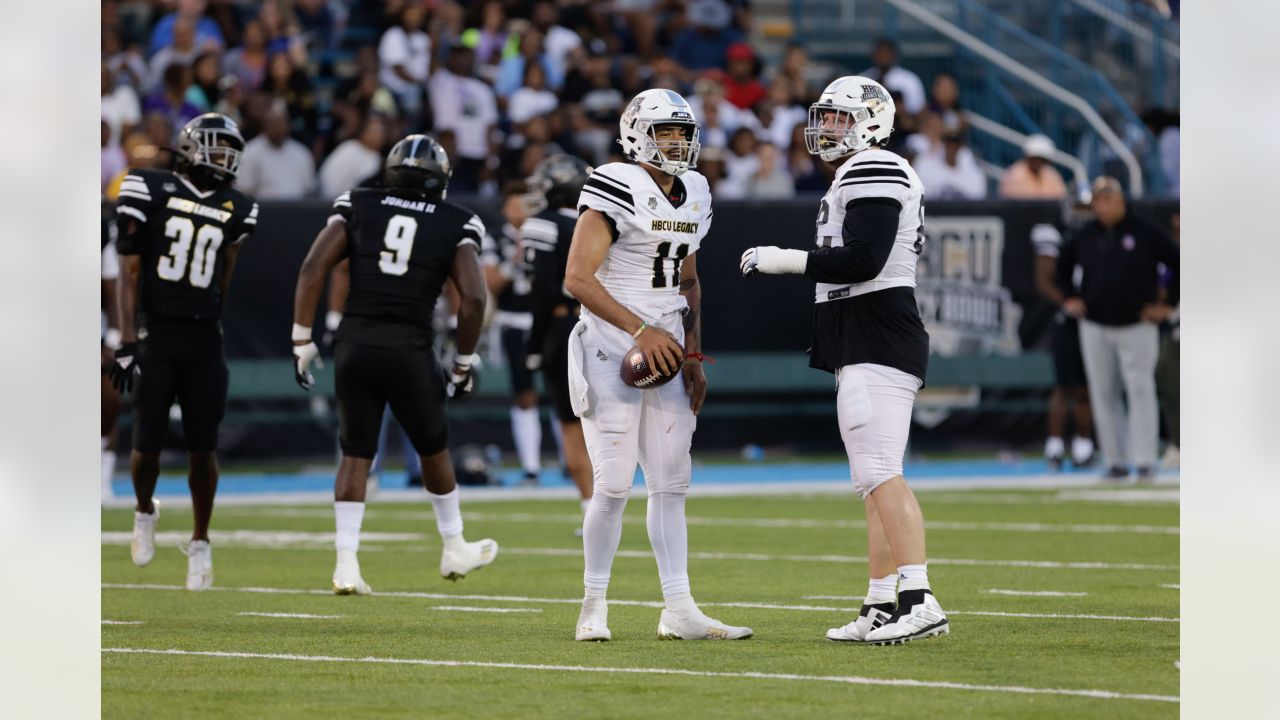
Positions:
{"x": 635, "y": 371}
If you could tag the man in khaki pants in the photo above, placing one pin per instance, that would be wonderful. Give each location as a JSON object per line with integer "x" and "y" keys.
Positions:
{"x": 1119, "y": 255}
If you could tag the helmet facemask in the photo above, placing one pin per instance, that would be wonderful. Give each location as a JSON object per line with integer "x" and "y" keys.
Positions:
{"x": 674, "y": 157}
{"x": 834, "y": 132}
{"x": 535, "y": 194}
{"x": 214, "y": 153}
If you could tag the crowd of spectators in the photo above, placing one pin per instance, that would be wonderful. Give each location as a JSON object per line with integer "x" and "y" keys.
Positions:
{"x": 321, "y": 88}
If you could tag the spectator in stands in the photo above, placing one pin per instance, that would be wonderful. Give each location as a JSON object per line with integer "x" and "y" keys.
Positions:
{"x": 159, "y": 132}
{"x": 945, "y": 102}
{"x": 1119, "y": 309}
{"x": 740, "y": 162}
{"x": 512, "y": 70}
{"x": 119, "y": 104}
{"x": 895, "y": 78}
{"x": 466, "y": 105}
{"x": 795, "y": 63}
{"x": 290, "y": 84}
{"x": 904, "y": 127}
{"x": 927, "y": 141}
{"x": 709, "y": 91}
{"x": 533, "y": 98}
{"x": 778, "y": 117}
{"x": 231, "y": 99}
{"x": 952, "y": 175}
{"x": 355, "y": 160}
{"x": 742, "y": 85}
{"x": 705, "y": 43}
{"x": 595, "y": 107}
{"x": 487, "y": 35}
{"x": 562, "y": 46}
{"x": 126, "y": 63}
{"x": 248, "y": 63}
{"x": 770, "y": 180}
{"x": 359, "y": 96}
{"x": 711, "y": 165}
{"x": 640, "y": 18}
{"x": 181, "y": 52}
{"x": 191, "y": 12}
{"x": 1163, "y": 125}
{"x": 113, "y": 158}
{"x": 405, "y": 55}
{"x": 170, "y": 100}
{"x": 206, "y": 72}
{"x": 284, "y": 35}
{"x": 805, "y": 175}
{"x": 713, "y": 133}
{"x": 139, "y": 154}
{"x": 1032, "y": 177}
{"x": 275, "y": 166}
{"x": 317, "y": 22}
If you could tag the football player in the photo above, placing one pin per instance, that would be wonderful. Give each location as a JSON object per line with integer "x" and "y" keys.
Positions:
{"x": 110, "y": 343}
{"x": 180, "y": 233}
{"x": 554, "y": 189}
{"x": 632, "y": 265}
{"x": 868, "y": 332}
{"x": 403, "y": 242}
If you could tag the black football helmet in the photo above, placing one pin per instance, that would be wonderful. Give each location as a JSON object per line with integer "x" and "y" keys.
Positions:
{"x": 556, "y": 182}
{"x": 418, "y": 163}
{"x": 209, "y": 150}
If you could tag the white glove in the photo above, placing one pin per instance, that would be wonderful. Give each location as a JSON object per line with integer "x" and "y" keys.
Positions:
{"x": 772, "y": 260}
{"x": 303, "y": 355}
{"x": 533, "y": 363}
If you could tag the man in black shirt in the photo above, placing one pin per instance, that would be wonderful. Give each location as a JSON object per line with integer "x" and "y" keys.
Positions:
{"x": 179, "y": 234}
{"x": 403, "y": 242}
{"x": 1119, "y": 255}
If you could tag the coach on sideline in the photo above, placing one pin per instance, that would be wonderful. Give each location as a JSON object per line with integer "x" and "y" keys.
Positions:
{"x": 1118, "y": 255}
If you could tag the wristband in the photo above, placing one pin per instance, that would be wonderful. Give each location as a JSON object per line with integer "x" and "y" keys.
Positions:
{"x": 301, "y": 333}
{"x": 112, "y": 339}
{"x": 332, "y": 319}
{"x": 643, "y": 325}
{"x": 699, "y": 356}
{"x": 465, "y": 361}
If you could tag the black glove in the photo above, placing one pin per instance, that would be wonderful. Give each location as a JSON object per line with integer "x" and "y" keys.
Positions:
{"x": 125, "y": 370}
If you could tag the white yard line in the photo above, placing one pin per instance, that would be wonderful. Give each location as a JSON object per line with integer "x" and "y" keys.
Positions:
{"x": 122, "y": 622}
{"x": 635, "y": 603}
{"x": 1172, "y": 587}
{"x": 834, "y": 597}
{"x": 301, "y": 616}
{"x": 465, "y": 608}
{"x": 841, "y": 679}
{"x": 1036, "y": 593}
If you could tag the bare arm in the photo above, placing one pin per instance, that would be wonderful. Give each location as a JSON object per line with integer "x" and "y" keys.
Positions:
{"x": 339, "y": 286}
{"x": 1046, "y": 279}
{"x": 695, "y": 380}
{"x": 228, "y": 269}
{"x": 468, "y": 277}
{"x": 326, "y": 252}
{"x": 127, "y": 297}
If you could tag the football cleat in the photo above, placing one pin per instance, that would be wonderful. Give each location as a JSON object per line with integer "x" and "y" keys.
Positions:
{"x": 696, "y": 626}
{"x": 463, "y": 557}
{"x": 143, "y": 547}
{"x": 918, "y": 616}
{"x": 346, "y": 576}
{"x": 199, "y": 565}
{"x": 871, "y": 617}
{"x": 593, "y": 621}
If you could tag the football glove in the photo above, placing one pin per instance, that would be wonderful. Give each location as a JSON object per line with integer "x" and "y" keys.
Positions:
{"x": 772, "y": 260}
{"x": 303, "y": 356}
{"x": 533, "y": 362}
{"x": 332, "y": 320}
{"x": 125, "y": 370}
{"x": 462, "y": 379}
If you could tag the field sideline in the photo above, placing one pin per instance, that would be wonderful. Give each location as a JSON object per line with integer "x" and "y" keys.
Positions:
{"x": 1063, "y": 602}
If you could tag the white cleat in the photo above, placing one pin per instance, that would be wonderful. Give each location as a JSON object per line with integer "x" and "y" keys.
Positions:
{"x": 199, "y": 565}
{"x": 461, "y": 558}
{"x": 593, "y": 621}
{"x": 918, "y": 616}
{"x": 143, "y": 547}
{"x": 871, "y": 617}
{"x": 346, "y": 576}
{"x": 695, "y": 625}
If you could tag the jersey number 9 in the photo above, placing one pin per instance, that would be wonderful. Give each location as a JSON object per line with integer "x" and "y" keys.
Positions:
{"x": 399, "y": 241}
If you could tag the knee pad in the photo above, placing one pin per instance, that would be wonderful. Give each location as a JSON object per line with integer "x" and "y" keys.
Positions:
{"x": 613, "y": 470}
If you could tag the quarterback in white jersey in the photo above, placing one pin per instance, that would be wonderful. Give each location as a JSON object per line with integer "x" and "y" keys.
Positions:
{"x": 868, "y": 332}
{"x": 632, "y": 265}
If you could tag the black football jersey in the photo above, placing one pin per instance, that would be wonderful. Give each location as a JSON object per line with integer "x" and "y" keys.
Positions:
{"x": 502, "y": 249}
{"x": 183, "y": 236}
{"x": 401, "y": 249}
{"x": 545, "y": 238}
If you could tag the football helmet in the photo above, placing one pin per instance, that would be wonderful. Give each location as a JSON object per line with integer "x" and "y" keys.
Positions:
{"x": 649, "y": 110}
{"x": 556, "y": 182}
{"x": 418, "y": 163}
{"x": 209, "y": 150}
{"x": 852, "y": 114}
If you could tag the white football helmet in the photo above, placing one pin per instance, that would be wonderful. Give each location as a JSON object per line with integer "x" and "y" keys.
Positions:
{"x": 648, "y": 110}
{"x": 853, "y": 113}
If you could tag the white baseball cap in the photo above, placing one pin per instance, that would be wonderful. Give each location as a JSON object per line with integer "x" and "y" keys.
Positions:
{"x": 1038, "y": 146}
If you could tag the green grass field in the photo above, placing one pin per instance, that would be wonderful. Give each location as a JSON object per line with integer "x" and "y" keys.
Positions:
{"x": 790, "y": 567}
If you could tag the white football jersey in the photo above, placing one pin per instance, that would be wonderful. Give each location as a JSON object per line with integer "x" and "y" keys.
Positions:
{"x": 874, "y": 173}
{"x": 655, "y": 231}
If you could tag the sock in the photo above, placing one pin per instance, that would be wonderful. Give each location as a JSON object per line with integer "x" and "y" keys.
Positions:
{"x": 882, "y": 590}
{"x": 526, "y": 428}
{"x": 348, "y": 517}
{"x": 1081, "y": 449}
{"x": 601, "y": 531}
{"x": 448, "y": 515}
{"x": 670, "y": 540}
{"x": 1054, "y": 447}
{"x": 585, "y": 504}
{"x": 681, "y": 602}
{"x": 913, "y": 577}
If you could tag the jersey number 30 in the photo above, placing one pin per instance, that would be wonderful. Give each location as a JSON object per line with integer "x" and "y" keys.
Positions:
{"x": 204, "y": 258}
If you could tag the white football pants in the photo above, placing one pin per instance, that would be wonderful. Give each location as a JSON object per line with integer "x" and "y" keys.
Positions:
{"x": 873, "y": 405}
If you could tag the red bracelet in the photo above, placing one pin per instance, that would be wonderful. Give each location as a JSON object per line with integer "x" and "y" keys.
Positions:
{"x": 699, "y": 356}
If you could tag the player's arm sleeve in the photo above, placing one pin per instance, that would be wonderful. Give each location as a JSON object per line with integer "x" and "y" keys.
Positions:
{"x": 547, "y": 289}
{"x": 249, "y": 225}
{"x": 473, "y": 233}
{"x": 133, "y": 204}
{"x": 610, "y": 197}
{"x": 869, "y": 231}
{"x": 341, "y": 211}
